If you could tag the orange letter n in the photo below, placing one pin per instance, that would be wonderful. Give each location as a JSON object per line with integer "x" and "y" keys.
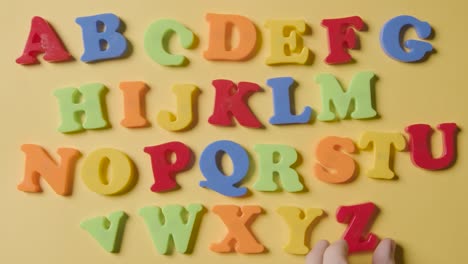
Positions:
{"x": 40, "y": 164}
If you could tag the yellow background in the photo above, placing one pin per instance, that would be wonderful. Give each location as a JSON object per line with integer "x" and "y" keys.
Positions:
{"x": 425, "y": 212}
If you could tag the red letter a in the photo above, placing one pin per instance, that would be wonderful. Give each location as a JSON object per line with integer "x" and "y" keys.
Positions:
{"x": 43, "y": 39}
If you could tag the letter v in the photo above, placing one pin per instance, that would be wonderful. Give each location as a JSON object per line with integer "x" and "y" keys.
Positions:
{"x": 107, "y": 231}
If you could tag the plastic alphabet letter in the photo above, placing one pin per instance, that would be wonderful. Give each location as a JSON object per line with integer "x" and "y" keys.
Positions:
{"x": 108, "y": 172}
{"x": 359, "y": 91}
{"x": 359, "y": 218}
{"x": 168, "y": 224}
{"x": 107, "y": 231}
{"x": 341, "y": 37}
{"x": 215, "y": 178}
{"x": 383, "y": 143}
{"x": 134, "y": 104}
{"x": 287, "y": 46}
{"x": 157, "y": 38}
{"x": 92, "y": 106}
{"x": 268, "y": 167}
{"x": 220, "y": 40}
{"x": 334, "y": 166}
{"x": 391, "y": 37}
{"x": 282, "y": 103}
{"x": 186, "y": 95}
{"x": 164, "y": 171}
{"x": 298, "y": 222}
{"x": 230, "y": 100}
{"x": 43, "y": 39}
{"x": 239, "y": 237}
{"x": 420, "y": 148}
{"x": 39, "y": 164}
{"x": 101, "y": 37}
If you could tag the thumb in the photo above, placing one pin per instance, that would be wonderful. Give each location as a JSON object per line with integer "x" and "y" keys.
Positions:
{"x": 336, "y": 253}
{"x": 385, "y": 252}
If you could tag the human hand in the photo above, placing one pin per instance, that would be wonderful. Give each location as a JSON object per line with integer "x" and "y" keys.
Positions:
{"x": 336, "y": 253}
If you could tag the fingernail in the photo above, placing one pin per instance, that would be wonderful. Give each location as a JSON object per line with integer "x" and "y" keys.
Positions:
{"x": 393, "y": 248}
{"x": 346, "y": 245}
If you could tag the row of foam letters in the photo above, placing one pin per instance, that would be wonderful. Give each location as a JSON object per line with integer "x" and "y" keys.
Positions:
{"x": 103, "y": 40}
{"x": 230, "y": 102}
{"x": 169, "y": 222}
{"x": 334, "y": 163}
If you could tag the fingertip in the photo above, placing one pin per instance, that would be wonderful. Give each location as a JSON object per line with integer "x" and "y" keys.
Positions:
{"x": 388, "y": 242}
{"x": 322, "y": 243}
{"x": 342, "y": 245}
{"x": 385, "y": 252}
{"x": 336, "y": 252}
{"x": 319, "y": 247}
{"x": 315, "y": 256}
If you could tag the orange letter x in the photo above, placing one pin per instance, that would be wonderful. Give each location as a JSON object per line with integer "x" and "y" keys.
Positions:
{"x": 238, "y": 220}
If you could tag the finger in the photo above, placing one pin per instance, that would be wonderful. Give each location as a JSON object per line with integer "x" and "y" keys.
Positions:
{"x": 385, "y": 252}
{"x": 336, "y": 253}
{"x": 315, "y": 256}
